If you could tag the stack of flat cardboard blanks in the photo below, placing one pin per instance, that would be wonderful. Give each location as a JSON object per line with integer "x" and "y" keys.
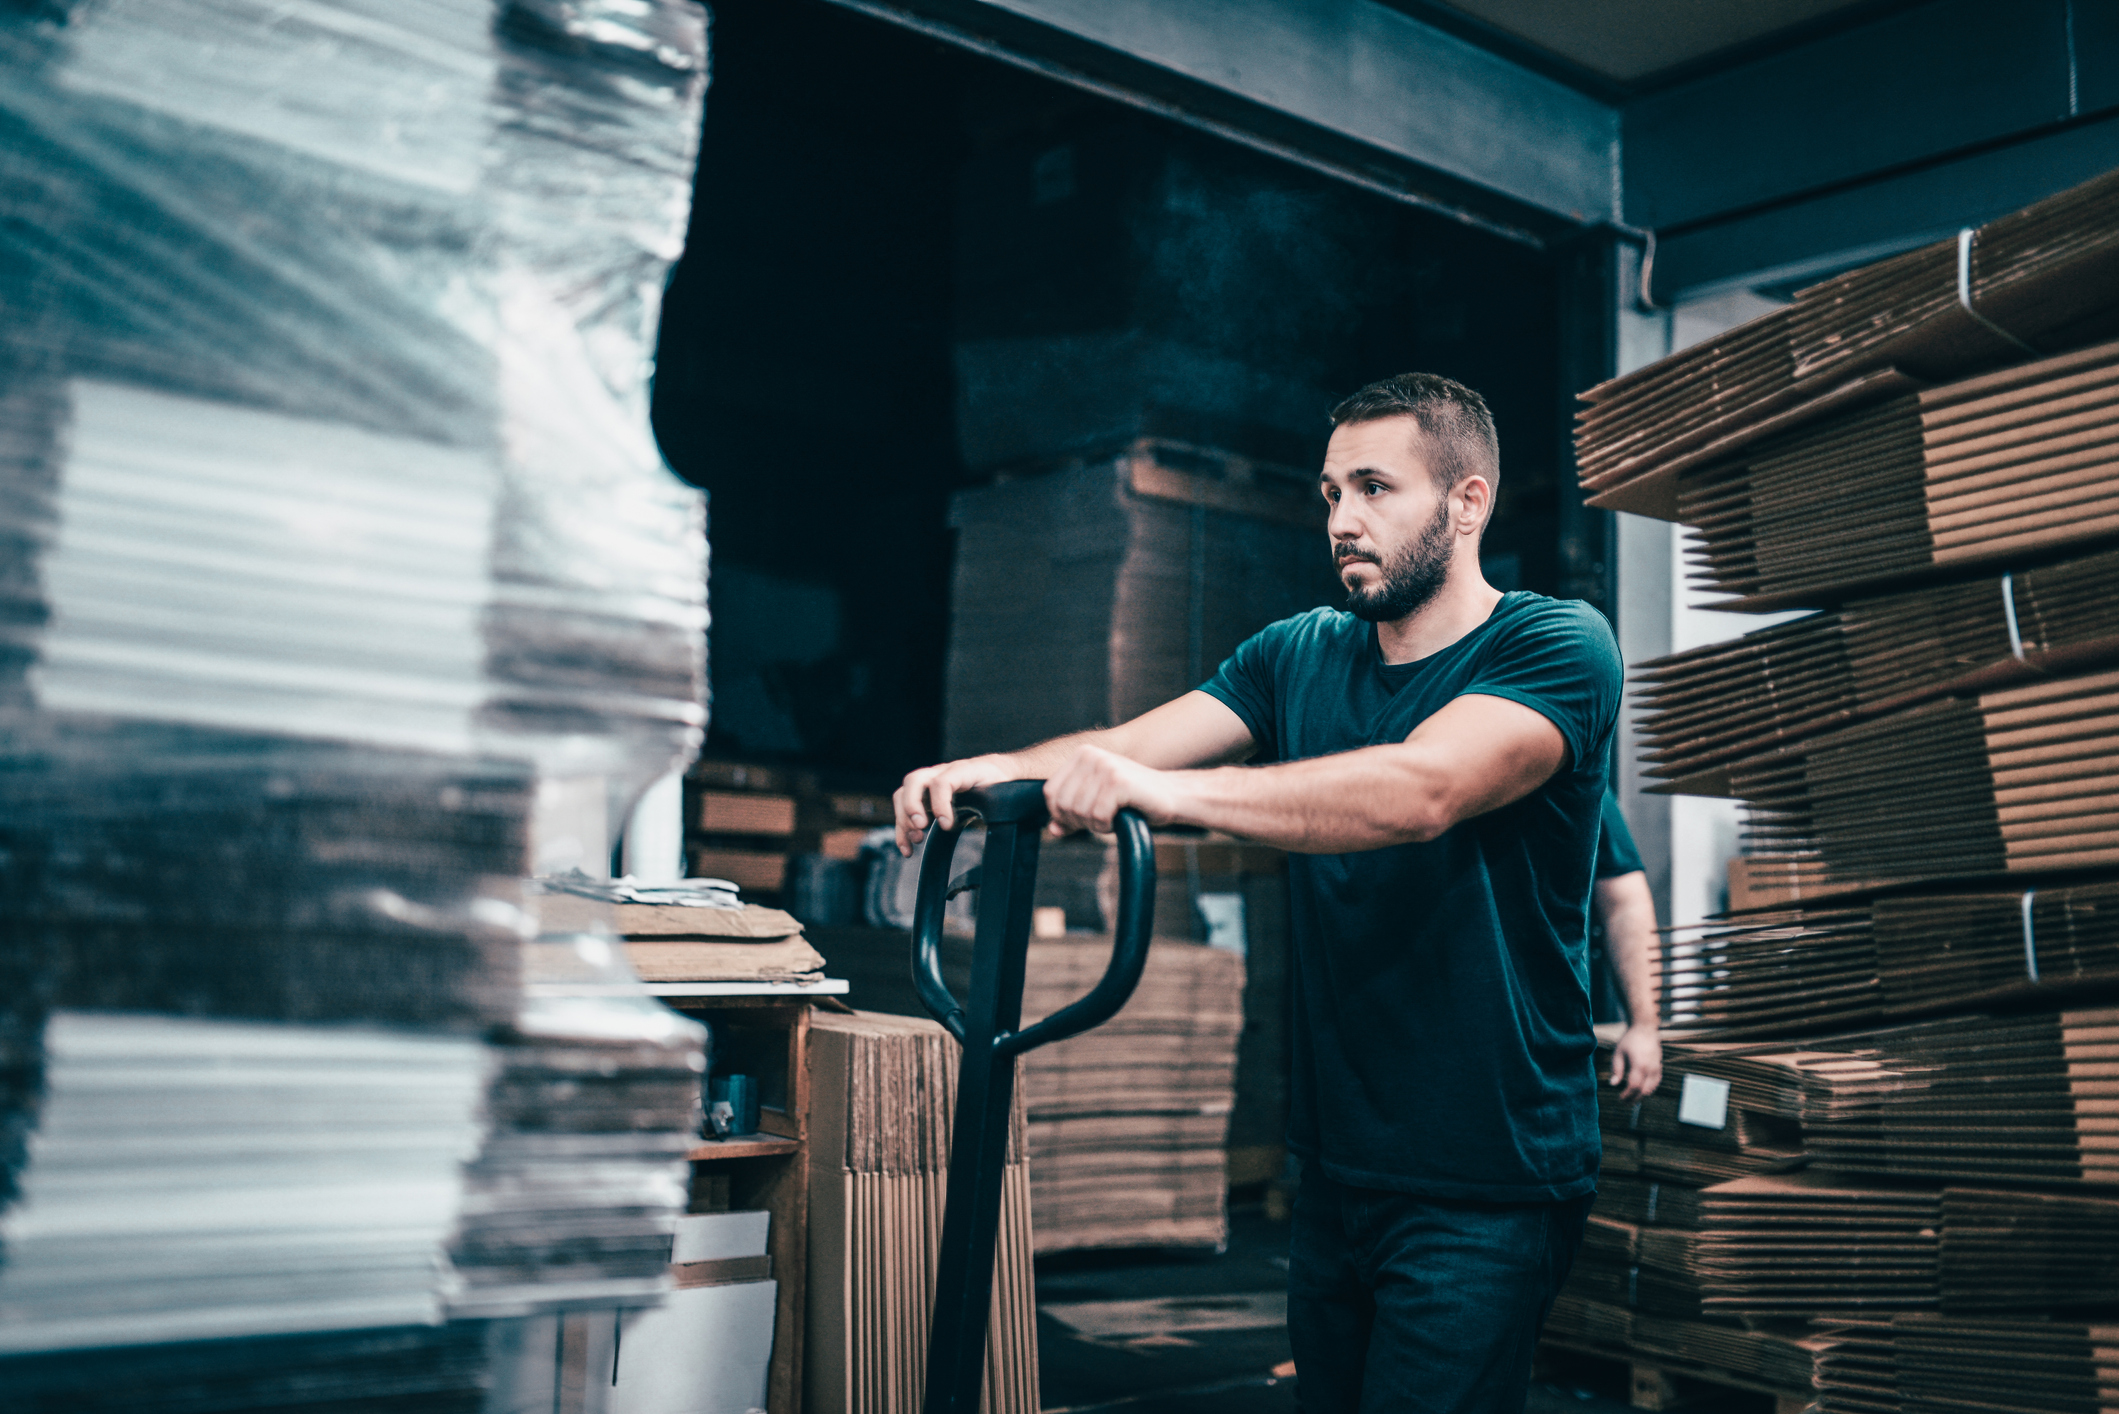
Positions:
{"x": 1094, "y": 592}
{"x": 2018, "y": 781}
{"x": 1929, "y": 1364}
{"x": 1805, "y": 1244}
{"x": 2022, "y": 1099}
{"x": 2047, "y": 275}
{"x": 882, "y": 1096}
{"x": 1710, "y": 707}
{"x": 1795, "y": 970}
{"x": 2005, "y": 1250}
{"x": 1129, "y": 1122}
{"x": 1774, "y": 1354}
{"x": 1857, "y": 1371}
{"x": 1979, "y": 472}
{"x": 667, "y": 943}
{"x": 1681, "y": 404}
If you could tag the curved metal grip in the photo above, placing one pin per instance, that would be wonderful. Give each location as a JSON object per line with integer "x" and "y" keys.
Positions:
{"x": 1006, "y": 803}
{"x": 928, "y": 908}
{"x": 1129, "y": 949}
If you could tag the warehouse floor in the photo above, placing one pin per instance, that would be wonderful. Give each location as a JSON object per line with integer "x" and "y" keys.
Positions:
{"x": 1182, "y": 1333}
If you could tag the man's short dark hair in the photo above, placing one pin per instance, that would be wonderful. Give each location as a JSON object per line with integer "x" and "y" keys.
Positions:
{"x": 1454, "y": 422}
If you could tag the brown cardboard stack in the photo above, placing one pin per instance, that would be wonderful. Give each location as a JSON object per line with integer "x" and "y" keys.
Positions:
{"x": 1641, "y": 1258}
{"x": 1129, "y": 1122}
{"x": 1806, "y": 1244}
{"x": 740, "y": 818}
{"x": 2045, "y": 278}
{"x": 750, "y": 944}
{"x": 883, "y": 1094}
{"x": 1930, "y": 767}
{"x": 1795, "y": 970}
{"x": 1088, "y": 595}
{"x": 1928, "y": 1364}
{"x": 1710, "y": 707}
{"x": 1977, "y": 472}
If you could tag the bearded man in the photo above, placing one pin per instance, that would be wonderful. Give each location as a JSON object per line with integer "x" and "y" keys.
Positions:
{"x": 1434, "y": 760}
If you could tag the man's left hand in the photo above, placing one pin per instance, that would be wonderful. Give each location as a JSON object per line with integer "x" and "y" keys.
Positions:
{"x": 1637, "y": 1062}
{"x": 1090, "y": 791}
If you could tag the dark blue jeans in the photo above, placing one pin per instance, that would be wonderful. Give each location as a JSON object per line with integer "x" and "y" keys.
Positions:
{"x": 1400, "y": 1303}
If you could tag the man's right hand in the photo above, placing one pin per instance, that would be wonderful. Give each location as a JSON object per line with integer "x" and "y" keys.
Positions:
{"x": 928, "y": 796}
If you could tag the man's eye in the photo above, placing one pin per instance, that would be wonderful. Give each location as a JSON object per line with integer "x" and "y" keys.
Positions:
{"x": 1374, "y": 488}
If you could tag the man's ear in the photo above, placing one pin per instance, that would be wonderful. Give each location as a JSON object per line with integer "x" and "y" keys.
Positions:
{"x": 1476, "y": 495}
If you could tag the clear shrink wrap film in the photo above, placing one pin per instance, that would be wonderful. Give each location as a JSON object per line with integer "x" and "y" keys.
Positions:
{"x": 331, "y": 526}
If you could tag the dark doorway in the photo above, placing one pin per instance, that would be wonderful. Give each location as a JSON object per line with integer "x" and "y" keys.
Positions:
{"x": 912, "y": 269}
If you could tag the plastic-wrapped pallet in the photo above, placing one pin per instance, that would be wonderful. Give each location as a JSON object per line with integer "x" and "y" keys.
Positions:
{"x": 335, "y": 549}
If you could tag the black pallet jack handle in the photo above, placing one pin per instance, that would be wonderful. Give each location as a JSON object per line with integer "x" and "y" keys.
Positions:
{"x": 989, "y": 1024}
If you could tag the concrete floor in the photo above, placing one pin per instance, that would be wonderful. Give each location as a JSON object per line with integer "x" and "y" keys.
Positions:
{"x": 1190, "y": 1333}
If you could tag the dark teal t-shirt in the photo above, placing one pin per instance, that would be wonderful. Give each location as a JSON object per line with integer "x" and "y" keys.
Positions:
{"x": 1441, "y": 990}
{"x": 1616, "y": 852}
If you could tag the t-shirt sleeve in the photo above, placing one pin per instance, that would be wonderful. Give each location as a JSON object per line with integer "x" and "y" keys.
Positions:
{"x": 1245, "y": 686}
{"x": 1564, "y": 664}
{"x": 1616, "y": 853}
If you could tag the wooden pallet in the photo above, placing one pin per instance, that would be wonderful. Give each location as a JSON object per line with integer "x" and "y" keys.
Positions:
{"x": 1665, "y": 1382}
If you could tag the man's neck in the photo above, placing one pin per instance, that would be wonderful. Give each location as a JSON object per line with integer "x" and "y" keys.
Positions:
{"x": 1464, "y": 602}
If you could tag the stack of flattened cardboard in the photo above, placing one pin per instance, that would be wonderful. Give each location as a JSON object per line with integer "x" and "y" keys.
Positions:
{"x": 1794, "y": 970}
{"x": 2041, "y": 280}
{"x": 1978, "y": 472}
{"x": 677, "y": 943}
{"x": 1975, "y": 1098}
{"x": 1709, "y": 707}
{"x": 2012, "y": 782}
{"x": 1929, "y": 1364}
{"x": 1804, "y": 1244}
{"x": 1927, "y": 765}
{"x": 1129, "y": 1122}
{"x": 1640, "y": 1261}
{"x": 1090, "y": 594}
{"x": 883, "y": 1094}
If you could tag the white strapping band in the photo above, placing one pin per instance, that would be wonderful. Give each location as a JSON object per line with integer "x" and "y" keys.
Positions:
{"x": 1964, "y": 290}
{"x": 2030, "y": 937}
{"x": 2008, "y": 609}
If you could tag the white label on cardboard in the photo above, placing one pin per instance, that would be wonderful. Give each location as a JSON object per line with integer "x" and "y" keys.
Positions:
{"x": 1704, "y": 1101}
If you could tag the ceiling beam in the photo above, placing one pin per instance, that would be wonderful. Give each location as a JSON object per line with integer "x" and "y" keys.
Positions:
{"x": 1348, "y": 86}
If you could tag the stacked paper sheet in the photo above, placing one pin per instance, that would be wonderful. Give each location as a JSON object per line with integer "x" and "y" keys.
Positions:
{"x": 1129, "y": 1122}
{"x": 334, "y": 541}
{"x": 882, "y": 1101}
{"x": 195, "y": 1180}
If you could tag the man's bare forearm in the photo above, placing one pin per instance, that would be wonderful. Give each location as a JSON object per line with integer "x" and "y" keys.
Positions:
{"x": 1628, "y": 912}
{"x": 1355, "y": 800}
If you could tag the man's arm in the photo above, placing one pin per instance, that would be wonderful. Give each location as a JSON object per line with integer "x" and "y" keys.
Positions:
{"x": 1627, "y": 910}
{"x": 1477, "y": 754}
{"x": 1197, "y": 729}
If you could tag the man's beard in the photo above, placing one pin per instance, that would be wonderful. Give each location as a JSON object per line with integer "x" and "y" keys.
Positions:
{"x": 1412, "y": 577}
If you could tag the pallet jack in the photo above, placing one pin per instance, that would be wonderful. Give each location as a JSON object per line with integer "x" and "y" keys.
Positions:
{"x": 989, "y": 1026}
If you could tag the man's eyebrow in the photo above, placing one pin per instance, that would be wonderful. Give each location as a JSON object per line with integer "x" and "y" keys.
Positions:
{"x": 1357, "y": 473}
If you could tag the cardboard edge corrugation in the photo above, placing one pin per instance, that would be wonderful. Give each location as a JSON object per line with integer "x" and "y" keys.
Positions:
{"x": 876, "y": 1221}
